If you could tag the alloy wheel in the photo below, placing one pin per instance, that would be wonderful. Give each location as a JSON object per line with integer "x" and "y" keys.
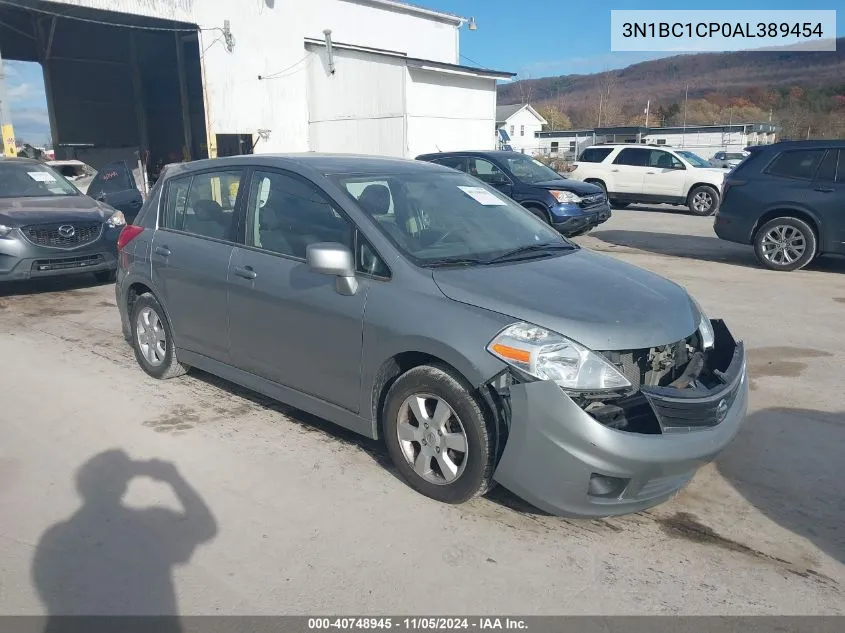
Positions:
{"x": 783, "y": 244}
{"x": 432, "y": 438}
{"x": 702, "y": 201}
{"x": 151, "y": 336}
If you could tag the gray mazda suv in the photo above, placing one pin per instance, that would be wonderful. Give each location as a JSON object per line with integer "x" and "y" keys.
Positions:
{"x": 411, "y": 302}
{"x": 48, "y": 227}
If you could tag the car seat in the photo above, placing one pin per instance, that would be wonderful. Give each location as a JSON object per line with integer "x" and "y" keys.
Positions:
{"x": 208, "y": 219}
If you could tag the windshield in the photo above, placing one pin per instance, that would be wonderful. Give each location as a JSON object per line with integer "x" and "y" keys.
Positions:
{"x": 694, "y": 159}
{"x": 32, "y": 180}
{"x": 529, "y": 170}
{"x": 734, "y": 156}
{"x": 436, "y": 218}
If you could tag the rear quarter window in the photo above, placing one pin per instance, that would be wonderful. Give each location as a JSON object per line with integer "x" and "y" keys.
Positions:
{"x": 594, "y": 154}
{"x": 800, "y": 164}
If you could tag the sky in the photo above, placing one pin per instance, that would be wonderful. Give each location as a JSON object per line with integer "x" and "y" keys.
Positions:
{"x": 543, "y": 38}
{"x": 540, "y": 38}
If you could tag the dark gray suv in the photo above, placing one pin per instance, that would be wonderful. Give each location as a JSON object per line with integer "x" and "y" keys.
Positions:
{"x": 788, "y": 201}
{"x": 49, "y": 228}
{"x": 412, "y": 302}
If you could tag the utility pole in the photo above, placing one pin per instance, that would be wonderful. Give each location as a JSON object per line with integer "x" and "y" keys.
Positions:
{"x": 686, "y": 98}
{"x": 601, "y": 101}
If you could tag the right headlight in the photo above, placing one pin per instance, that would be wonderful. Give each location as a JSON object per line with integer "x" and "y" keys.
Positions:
{"x": 705, "y": 328}
{"x": 547, "y": 355}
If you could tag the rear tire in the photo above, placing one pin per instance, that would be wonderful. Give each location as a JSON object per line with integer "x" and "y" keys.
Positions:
{"x": 439, "y": 435}
{"x": 703, "y": 201}
{"x": 152, "y": 339}
{"x": 785, "y": 244}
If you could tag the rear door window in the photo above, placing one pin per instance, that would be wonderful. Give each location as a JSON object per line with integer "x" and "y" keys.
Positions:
{"x": 455, "y": 162}
{"x": 112, "y": 178}
{"x": 594, "y": 154}
{"x": 800, "y": 164}
{"x": 827, "y": 169}
{"x": 633, "y": 157}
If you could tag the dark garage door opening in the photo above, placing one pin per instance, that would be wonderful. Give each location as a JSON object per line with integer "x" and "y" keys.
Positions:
{"x": 118, "y": 86}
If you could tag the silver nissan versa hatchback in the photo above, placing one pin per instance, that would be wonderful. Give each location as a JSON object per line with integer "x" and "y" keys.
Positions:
{"x": 411, "y": 302}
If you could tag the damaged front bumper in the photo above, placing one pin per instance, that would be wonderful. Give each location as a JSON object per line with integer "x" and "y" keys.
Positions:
{"x": 564, "y": 461}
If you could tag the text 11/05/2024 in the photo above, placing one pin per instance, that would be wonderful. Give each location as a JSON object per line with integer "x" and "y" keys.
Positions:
{"x": 418, "y": 623}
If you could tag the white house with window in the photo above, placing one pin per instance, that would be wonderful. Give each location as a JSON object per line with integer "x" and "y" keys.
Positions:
{"x": 521, "y": 122}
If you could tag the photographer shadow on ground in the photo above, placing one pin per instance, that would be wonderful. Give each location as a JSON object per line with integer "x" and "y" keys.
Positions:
{"x": 110, "y": 559}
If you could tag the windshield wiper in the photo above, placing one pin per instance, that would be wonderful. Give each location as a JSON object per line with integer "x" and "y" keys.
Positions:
{"x": 454, "y": 261}
{"x": 530, "y": 249}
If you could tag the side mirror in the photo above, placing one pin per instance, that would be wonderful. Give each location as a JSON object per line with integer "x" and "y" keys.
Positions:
{"x": 332, "y": 258}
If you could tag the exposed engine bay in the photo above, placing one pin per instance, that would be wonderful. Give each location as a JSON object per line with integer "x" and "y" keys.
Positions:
{"x": 672, "y": 385}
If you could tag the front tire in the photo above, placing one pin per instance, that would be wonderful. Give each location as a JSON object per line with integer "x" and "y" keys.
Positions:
{"x": 703, "y": 200}
{"x": 785, "y": 244}
{"x": 152, "y": 339}
{"x": 540, "y": 213}
{"x": 439, "y": 435}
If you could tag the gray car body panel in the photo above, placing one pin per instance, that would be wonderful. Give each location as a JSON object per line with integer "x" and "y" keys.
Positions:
{"x": 554, "y": 447}
{"x": 448, "y": 314}
{"x": 598, "y": 301}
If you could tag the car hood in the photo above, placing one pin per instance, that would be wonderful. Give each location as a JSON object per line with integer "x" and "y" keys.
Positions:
{"x": 22, "y": 211}
{"x": 566, "y": 184}
{"x": 598, "y": 301}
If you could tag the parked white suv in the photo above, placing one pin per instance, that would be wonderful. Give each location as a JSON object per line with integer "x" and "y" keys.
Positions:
{"x": 651, "y": 174}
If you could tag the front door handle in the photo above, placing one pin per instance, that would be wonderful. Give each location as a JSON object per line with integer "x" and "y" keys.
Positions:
{"x": 650, "y": 173}
{"x": 163, "y": 251}
{"x": 614, "y": 170}
{"x": 825, "y": 189}
{"x": 246, "y": 272}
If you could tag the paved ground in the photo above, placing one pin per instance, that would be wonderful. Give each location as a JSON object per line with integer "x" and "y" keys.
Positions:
{"x": 286, "y": 514}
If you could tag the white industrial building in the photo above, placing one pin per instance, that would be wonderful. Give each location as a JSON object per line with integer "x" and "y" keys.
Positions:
{"x": 174, "y": 79}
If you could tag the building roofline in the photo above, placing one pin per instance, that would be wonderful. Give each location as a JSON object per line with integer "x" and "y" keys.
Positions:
{"x": 417, "y": 9}
{"x": 416, "y": 62}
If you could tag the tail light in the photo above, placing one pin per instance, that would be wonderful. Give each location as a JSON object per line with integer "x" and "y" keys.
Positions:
{"x": 729, "y": 184}
{"x": 129, "y": 233}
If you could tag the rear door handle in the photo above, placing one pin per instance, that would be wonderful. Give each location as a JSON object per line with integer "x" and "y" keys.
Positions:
{"x": 651, "y": 173}
{"x": 163, "y": 251}
{"x": 614, "y": 170}
{"x": 825, "y": 189}
{"x": 246, "y": 272}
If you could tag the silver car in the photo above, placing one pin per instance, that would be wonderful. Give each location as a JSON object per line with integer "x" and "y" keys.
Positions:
{"x": 411, "y": 302}
{"x": 728, "y": 160}
{"x": 48, "y": 227}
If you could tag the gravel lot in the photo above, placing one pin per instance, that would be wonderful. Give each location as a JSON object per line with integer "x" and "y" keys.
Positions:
{"x": 305, "y": 518}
